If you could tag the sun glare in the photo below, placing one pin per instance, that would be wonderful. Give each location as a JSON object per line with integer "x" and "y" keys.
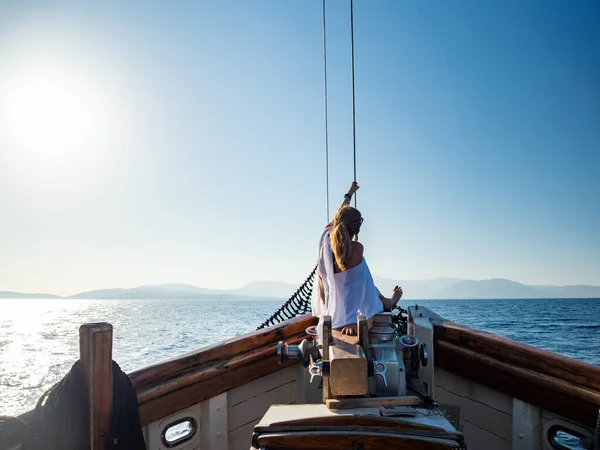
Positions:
{"x": 49, "y": 118}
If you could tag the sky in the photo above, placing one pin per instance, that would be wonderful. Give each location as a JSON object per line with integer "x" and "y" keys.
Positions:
{"x": 158, "y": 142}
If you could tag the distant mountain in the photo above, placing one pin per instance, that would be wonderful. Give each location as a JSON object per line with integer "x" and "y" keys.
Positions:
{"x": 438, "y": 288}
{"x": 7, "y": 294}
{"x": 162, "y": 291}
{"x": 574, "y": 291}
{"x": 494, "y": 288}
{"x": 415, "y": 289}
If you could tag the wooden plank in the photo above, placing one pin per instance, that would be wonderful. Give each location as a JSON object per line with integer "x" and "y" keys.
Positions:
{"x": 519, "y": 354}
{"x": 208, "y": 356}
{"x": 95, "y": 352}
{"x": 347, "y": 370}
{"x": 349, "y": 403}
{"x": 173, "y": 401}
{"x": 327, "y": 340}
{"x": 339, "y": 338}
{"x": 352, "y": 421}
{"x": 332, "y": 440}
{"x": 261, "y": 385}
{"x": 167, "y": 393}
{"x": 327, "y": 333}
{"x": 254, "y": 408}
{"x": 241, "y": 439}
{"x": 286, "y": 418}
{"x": 363, "y": 334}
{"x": 479, "y": 414}
{"x": 464, "y": 387}
{"x": 479, "y": 438}
{"x": 576, "y": 403}
{"x": 173, "y": 384}
{"x": 535, "y": 378}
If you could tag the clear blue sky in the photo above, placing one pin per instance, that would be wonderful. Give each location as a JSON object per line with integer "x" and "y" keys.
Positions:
{"x": 184, "y": 141}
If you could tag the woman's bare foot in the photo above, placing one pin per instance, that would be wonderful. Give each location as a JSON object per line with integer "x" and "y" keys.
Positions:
{"x": 396, "y": 294}
{"x": 350, "y": 330}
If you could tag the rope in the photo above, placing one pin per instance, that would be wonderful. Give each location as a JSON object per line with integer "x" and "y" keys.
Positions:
{"x": 326, "y": 109}
{"x": 61, "y": 421}
{"x": 353, "y": 96}
{"x": 299, "y": 303}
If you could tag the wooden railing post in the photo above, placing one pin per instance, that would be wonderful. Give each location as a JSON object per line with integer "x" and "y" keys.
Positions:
{"x": 95, "y": 350}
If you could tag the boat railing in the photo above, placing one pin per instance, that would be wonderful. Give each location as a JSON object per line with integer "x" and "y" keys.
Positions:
{"x": 172, "y": 385}
{"x": 554, "y": 382}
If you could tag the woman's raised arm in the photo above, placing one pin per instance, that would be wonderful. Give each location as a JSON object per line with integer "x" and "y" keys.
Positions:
{"x": 347, "y": 197}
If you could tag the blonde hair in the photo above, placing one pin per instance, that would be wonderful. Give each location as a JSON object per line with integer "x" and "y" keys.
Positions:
{"x": 346, "y": 226}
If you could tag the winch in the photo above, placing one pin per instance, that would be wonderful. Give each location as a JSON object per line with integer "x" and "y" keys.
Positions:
{"x": 366, "y": 403}
{"x": 379, "y": 362}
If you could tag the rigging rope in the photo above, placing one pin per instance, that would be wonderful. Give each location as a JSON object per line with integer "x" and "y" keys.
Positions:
{"x": 353, "y": 96}
{"x": 326, "y": 109}
{"x": 299, "y": 303}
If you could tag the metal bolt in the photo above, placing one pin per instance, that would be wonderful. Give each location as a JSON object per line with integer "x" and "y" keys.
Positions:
{"x": 520, "y": 435}
{"x": 218, "y": 434}
{"x": 218, "y": 408}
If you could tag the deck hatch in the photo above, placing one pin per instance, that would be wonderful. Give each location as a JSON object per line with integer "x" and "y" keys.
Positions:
{"x": 178, "y": 432}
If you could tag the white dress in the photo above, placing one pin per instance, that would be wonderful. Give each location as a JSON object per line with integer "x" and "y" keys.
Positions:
{"x": 346, "y": 293}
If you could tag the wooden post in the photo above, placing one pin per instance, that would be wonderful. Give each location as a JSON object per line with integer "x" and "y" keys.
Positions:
{"x": 363, "y": 334}
{"x": 327, "y": 341}
{"x": 95, "y": 352}
{"x": 362, "y": 327}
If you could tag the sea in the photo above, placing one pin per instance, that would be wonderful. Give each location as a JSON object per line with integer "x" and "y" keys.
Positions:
{"x": 39, "y": 338}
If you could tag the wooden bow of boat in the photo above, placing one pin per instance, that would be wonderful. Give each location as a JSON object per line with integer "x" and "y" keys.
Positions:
{"x": 511, "y": 395}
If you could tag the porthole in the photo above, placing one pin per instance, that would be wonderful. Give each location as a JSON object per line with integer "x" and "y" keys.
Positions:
{"x": 561, "y": 438}
{"x": 178, "y": 432}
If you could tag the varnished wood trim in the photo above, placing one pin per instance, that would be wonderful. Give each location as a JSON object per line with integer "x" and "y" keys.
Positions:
{"x": 556, "y": 395}
{"x": 518, "y": 373}
{"x": 95, "y": 352}
{"x": 349, "y": 422}
{"x": 171, "y": 386}
{"x": 332, "y": 440}
{"x": 348, "y": 403}
{"x": 210, "y": 355}
{"x": 519, "y": 354}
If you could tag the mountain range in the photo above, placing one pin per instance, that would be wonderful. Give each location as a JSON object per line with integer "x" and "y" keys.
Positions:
{"x": 438, "y": 288}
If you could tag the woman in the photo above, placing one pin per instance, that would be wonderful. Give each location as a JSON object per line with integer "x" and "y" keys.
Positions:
{"x": 345, "y": 285}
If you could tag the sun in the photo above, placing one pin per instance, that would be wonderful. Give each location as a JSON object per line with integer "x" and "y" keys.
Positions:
{"x": 48, "y": 117}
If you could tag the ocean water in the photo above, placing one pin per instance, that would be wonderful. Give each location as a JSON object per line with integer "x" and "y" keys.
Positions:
{"x": 39, "y": 338}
